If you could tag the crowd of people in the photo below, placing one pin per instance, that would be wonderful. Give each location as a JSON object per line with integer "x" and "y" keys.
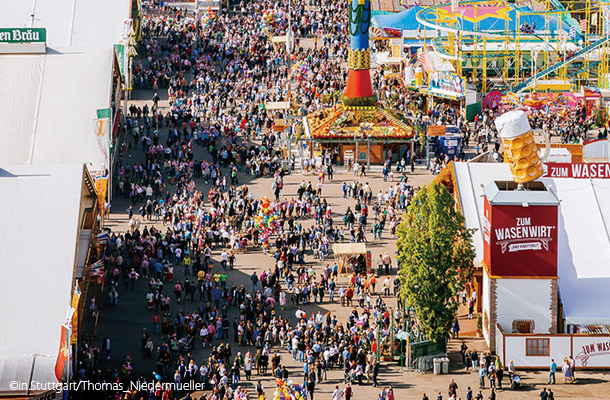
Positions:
{"x": 216, "y": 133}
{"x": 183, "y": 242}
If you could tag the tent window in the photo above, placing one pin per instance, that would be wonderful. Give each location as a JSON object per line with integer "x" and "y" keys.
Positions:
{"x": 537, "y": 347}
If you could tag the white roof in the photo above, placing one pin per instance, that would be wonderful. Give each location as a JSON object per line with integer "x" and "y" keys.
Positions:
{"x": 383, "y": 57}
{"x": 583, "y": 242}
{"x": 48, "y": 103}
{"x": 349, "y": 248}
{"x": 81, "y": 23}
{"x": 39, "y": 232}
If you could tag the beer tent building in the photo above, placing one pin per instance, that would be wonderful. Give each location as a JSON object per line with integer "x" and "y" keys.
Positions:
{"x": 47, "y": 214}
{"x": 53, "y": 88}
{"x": 527, "y": 317}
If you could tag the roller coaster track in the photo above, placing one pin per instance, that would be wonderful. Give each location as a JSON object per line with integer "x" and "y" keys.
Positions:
{"x": 539, "y": 75}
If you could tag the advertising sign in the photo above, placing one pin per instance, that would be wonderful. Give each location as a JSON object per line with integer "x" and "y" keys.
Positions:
{"x": 591, "y": 351}
{"x": 75, "y": 327}
{"x": 578, "y": 171}
{"x": 436, "y": 130}
{"x": 121, "y": 54}
{"x": 23, "y": 35}
{"x": 101, "y": 129}
{"x": 520, "y": 241}
{"x": 447, "y": 81}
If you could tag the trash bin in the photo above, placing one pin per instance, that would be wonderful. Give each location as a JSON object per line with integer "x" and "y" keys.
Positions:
{"x": 437, "y": 366}
{"x": 445, "y": 365}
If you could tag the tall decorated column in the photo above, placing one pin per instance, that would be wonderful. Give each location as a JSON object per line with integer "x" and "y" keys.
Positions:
{"x": 359, "y": 89}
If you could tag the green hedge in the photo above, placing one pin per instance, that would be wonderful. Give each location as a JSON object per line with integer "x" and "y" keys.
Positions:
{"x": 358, "y": 101}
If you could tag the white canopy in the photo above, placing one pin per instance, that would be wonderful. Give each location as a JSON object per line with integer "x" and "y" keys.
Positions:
{"x": 583, "y": 242}
{"x": 349, "y": 248}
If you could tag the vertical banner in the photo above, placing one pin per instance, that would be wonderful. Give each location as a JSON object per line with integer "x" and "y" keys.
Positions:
{"x": 75, "y": 327}
{"x": 64, "y": 357}
{"x": 101, "y": 186}
{"x": 101, "y": 129}
{"x": 62, "y": 365}
{"x": 121, "y": 55}
{"x": 396, "y": 50}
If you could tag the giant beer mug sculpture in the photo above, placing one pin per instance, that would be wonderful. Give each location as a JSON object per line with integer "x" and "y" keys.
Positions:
{"x": 520, "y": 148}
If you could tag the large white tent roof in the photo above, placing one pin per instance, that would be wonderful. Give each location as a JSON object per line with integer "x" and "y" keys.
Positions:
{"x": 39, "y": 231}
{"x": 48, "y": 103}
{"x": 583, "y": 242}
{"x": 79, "y": 23}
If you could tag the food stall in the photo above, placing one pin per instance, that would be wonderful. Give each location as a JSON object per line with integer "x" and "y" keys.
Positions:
{"x": 352, "y": 258}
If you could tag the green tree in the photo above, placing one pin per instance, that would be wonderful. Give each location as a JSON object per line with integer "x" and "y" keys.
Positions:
{"x": 436, "y": 258}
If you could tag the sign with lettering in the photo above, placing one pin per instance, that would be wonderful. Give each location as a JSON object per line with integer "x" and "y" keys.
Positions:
{"x": 520, "y": 241}
{"x": 578, "y": 171}
{"x": 592, "y": 352}
{"x": 101, "y": 129}
{"x": 447, "y": 81}
{"x": 23, "y": 35}
{"x": 121, "y": 54}
{"x": 436, "y": 130}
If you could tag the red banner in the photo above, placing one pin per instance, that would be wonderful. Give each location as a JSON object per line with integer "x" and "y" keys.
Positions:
{"x": 577, "y": 171}
{"x": 520, "y": 241}
{"x": 62, "y": 364}
{"x": 115, "y": 124}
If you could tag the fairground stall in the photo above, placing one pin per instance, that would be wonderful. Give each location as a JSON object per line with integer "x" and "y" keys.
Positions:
{"x": 352, "y": 258}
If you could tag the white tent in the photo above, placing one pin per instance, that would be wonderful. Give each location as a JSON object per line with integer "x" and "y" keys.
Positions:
{"x": 79, "y": 23}
{"x": 583, "y": 242}
{"x": 39, "y": 231}
{"x": 48, "y": 102}
{"x": 48, "y": 105}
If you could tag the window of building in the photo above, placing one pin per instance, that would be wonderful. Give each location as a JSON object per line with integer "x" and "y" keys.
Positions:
{"x": 537, "y": 347}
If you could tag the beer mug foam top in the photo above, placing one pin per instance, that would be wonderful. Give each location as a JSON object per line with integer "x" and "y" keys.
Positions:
{"x": 519, "y": 146}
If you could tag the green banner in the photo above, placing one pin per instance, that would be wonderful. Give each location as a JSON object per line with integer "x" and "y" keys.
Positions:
{"x": 103, "y": 113}
{"x": 121, "y": 54}
{"x": 23, "y": 35}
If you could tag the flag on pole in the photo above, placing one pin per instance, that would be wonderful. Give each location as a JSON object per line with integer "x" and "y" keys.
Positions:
{"x": 62, "y": 365}
{"x": 421, "y": 58}
{"x": 102, "y": 237}
{"x": 583, "y": 25}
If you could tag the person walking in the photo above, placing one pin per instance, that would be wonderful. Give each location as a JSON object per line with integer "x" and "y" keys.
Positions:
{"x": 337, "y": 393}
{"x": 456, "y": 329}
{"x": 348, "y": 391}
{"x": 311, "y": 385}
{"x": 375, "y": 374}
{"x": 482, "y": 374}
{"x": 552, "y": 371}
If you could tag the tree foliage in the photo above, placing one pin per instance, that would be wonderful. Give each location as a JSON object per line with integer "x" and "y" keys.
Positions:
{"x": 436, "y": 258}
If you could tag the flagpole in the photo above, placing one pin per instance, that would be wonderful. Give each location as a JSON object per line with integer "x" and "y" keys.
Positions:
{"x": 31, "y": 375}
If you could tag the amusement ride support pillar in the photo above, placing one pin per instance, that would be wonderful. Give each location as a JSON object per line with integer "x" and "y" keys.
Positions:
{"x": 359, "y": 56}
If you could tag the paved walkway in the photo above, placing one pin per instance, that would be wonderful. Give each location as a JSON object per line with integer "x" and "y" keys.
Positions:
{"x": 124, "y": 323}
